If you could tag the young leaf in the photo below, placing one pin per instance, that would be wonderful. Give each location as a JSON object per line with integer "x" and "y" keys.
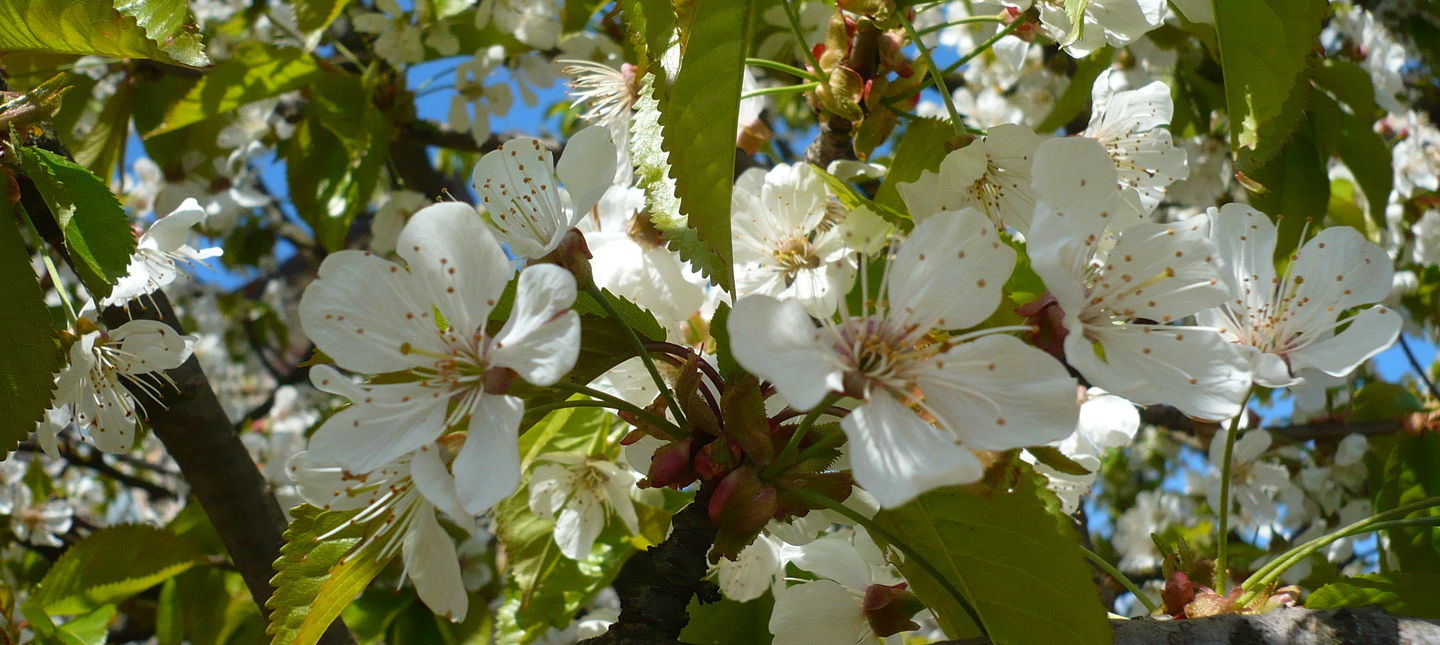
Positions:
{"x": 29, "y": 356}
{"x": 699, "y": 127}
{"x": 315, "y": 15}
{"x": 165, "y": 22}
{"x": 125, "y": 29}
{"x": 97, "y": 232}
{"x": 1402, "y": 594}
{"x": 255, "y": 71}
{"x": 1075, "y": 10}
{"x": 1297, "y": 186}
{"x": 1264, "y": 48}
{"x": 111, "y": 565}
{"x": 317, "y": 578}
{"x": 637, "y": 317}
{"x": 1017, "y": 562}
{"x": 1412, "y": 473}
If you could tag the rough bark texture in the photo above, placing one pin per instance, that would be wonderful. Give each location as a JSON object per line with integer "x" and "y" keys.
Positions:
{"x": 1367, "y": 626}
{"x": 655, "y": 586}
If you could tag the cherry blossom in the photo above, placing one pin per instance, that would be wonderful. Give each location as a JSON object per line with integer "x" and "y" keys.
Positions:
{"x": 576, "y": 491}
{"x": 850, "y": 569}
{"x": 427, "y": 320}
{"x": 152, "y": 266}
{"x": 929, "y": 397}
{"x": 1133, "y": 127}
{"x": 1285, "y": 324}
{"x": 520, "y": 188}
{"x": 991, "y": 175}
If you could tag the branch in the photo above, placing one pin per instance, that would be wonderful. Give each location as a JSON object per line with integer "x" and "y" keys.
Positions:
{"x": 655, "y": 586}
{"x": 1294, "y": 626}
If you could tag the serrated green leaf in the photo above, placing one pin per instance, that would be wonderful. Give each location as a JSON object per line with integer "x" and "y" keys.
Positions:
{"x": 652, "y": 32}
{"x": 1297, "y": 188}
{"x": 206, "y": 605}
{"x": 1264, "y": 49}
{"x": 97, "y": 232}
{"x": 98, "y": 28}
{"x": 29, "y": 356}
{"x": 112, "y": 564}
{"x": 699, "y": 128}
{"x": 1410, "y": 474}
{"x": 1076, "y": 96}
{"x": 1402, "y": 594}
{"x": 167, "y": 22}
{"x": 256, "y": 71}
{"x": 316, "y": 15}
{"x": 922, "y": 147}
{"x": 317, "y": 578}
{"x": 852, "y": 199}
{"x": 636, "y": 317}
{"x": 1018, "y": 563}
{"x": 90, "y": 629}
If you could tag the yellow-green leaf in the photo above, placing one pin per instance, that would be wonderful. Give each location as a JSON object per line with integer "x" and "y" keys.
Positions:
{"x": 111, "y": 565}
{"x": 256, "y": 71}
{"x": 153, "y": 29}
{"x": 317, "y": 578}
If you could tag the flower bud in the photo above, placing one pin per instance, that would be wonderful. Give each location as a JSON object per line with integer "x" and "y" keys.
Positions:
{"x": 888, "y": 609}
{"x": 671, "y": 466}
{"x": 1178, "y": 592}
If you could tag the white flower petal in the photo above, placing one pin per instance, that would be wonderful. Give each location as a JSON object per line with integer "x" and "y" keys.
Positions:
{"x": 541, "y": 340}
{"x": 1196, "y": 370}
{"x": 487, "y": 469}
{"x": 819, "y": 612}
{"x": 752, "y": 572}
{"x": 1341, "y": 269}
{"x": 777, "y": 341}
{"x": 578, "y": 525}
{"x": 519, "y": 191}
{"x": 148, "y": 346}
{"x": 456, "y": 261}
{"x": 428, "y": 471}
{"x": 950, "y": 272}
{"x": 835, "y": 557}
{"x": 998, "y": 393}
{"x": 170, "y": 232}
{"x": 433, "y": 566}
{"x": 896, "y": 455}
{"x": 1370, "y": 332}
{"x": 382, "y": 423}
{"x": 363, "y": 310}
{"x": 587, "y": 168}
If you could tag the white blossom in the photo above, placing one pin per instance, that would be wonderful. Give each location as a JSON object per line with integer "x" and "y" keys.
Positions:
{"x": 152, "y": 266}
{"x": 991, "y": 175}
{"x": 1133, "y": 127}
{"x": 576, "y": 491}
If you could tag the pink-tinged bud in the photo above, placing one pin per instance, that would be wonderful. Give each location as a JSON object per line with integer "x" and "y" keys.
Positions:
{"x": 671, "y": 466}
{"x": 499, "y": 379}
{"x": 742, "y": 503}
{"x": 1179, "y": 591}
{"x": 888, "y": 609}
{"x": 716, "y": 458}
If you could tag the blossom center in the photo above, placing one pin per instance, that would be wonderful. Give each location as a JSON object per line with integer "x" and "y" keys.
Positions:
{"x": 795, "y": 255}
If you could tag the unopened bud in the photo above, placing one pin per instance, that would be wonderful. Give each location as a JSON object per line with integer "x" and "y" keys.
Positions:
{"x": 1179, "y": 591}
{"x": 671, "y": 466}
{"x": 889, "y": 608}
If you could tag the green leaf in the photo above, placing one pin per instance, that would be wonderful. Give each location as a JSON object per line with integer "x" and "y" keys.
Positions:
{"x": 1076, "y": 96}
{"x": 1297, "y": 187}
{"x": 636, "y": 317}
{"x": 652, "y": 31}
{"x": 699, "y": 130}
{"x": 29, "y": 356}
{"x": 1381, "y": 401}
{"x": 97, "y": 232}
{"x": 90, "y": 629}
{"x": 153, "y": 29}
{"x": 103, "y": 148}
{"x": 1410, "y": 474}
{"x": 1352, "y": 135}
{"x": 922, "y": 147}
{"x": 167, "y": 22}
{"x": 316, "y": 15}
{"x": 206, "y": 605}
{"x": 1052, "y": 457}
{"x": 1264, "y": 49}
{"x": 325, "y": 188}
{"x": 256, "y": 71}
{"x": 720, "y": 331}
{"x": 578, "y": 13}
{"x": 1402, "y": 594}
{"x": 317, "y": 578}
{"x": 727, "y": 622}
{"x": 111, "y": 565}
{"x": 1017, "y": 562}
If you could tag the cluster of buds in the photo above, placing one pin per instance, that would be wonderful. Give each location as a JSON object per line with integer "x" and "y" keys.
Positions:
{"x": 863, "y": 46}
{"x": 731, "y": 447}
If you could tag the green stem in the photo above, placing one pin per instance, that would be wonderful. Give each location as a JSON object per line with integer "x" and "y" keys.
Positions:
{"x": 1121, "y": 578}
{"x": 960, "y": 21}
{"x": 787, "y": 89}
{"x": 876, "y": 530}
{"x": 794, "y": 19}
{"x": 1223, "y": 539}
{"x": 640, "y": 350}
{"x": 787, "y": 454}
{"x": 982, "y": 47}
{"x": 621, "y": 404}
{"x": 935, "y": 74}
{"x": 1269, "y": 573}
{"x": 782, "y": 67}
